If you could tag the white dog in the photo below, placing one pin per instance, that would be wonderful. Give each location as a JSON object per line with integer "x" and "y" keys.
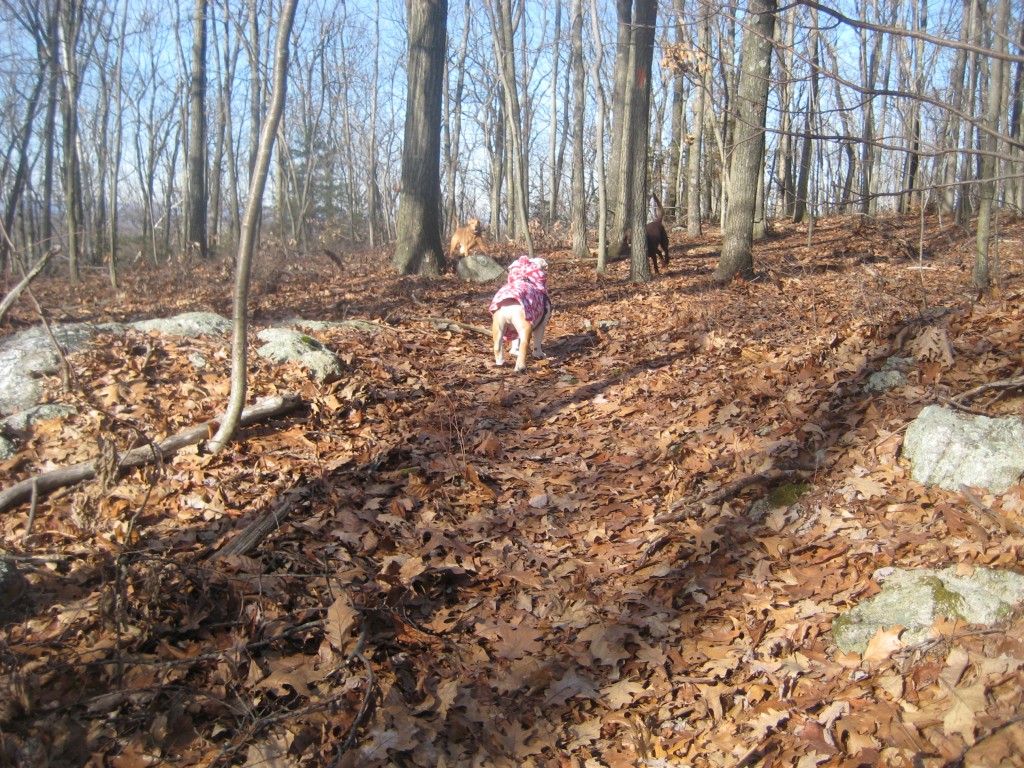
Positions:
{"x": 521, "y": 309}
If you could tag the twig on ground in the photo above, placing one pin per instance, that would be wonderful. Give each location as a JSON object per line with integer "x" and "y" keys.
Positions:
{"x": 1015, "y": 383}
{"x": 1008, "y": 526}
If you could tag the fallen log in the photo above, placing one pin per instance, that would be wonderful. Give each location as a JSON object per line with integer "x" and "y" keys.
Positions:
{"x": 59, "y": 478}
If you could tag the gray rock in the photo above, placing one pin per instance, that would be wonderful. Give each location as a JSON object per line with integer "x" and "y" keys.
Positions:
{"x": 479, "y": 269}
{"x": 891, "y": 375}
{"x": 27, "y": 355}
{"x": 283, "y": 345}
{"x": 6, "y": 449}
{"x": 914, "y": 599}
{"x": 22, "y": 420}
{"x": 187, "y": 324}
{"x": 951, "y": 449}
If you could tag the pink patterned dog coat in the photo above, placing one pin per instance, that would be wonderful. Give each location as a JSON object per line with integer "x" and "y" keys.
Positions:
{"x": 528, "y": 285}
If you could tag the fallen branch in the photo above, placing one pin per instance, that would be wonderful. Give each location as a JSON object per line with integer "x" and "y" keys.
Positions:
{"x": 1016, "y": 383}
{"x": 266, "y": 523}
{"x": 28, "y": 278}
{"x": 726, "y": 492}
{"x": 59, "y": 478}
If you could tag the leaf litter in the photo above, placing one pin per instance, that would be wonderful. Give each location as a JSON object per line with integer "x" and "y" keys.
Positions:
{"x": 468, "y": 567}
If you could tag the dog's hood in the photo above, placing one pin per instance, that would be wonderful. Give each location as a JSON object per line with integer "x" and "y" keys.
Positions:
{"x": 526, "y": 269}
{"x": 527, "y": 284}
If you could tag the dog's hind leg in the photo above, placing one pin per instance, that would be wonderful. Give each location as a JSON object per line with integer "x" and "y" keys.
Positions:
{"x": 497, "y": 334}
{"x": 525, "y": 340}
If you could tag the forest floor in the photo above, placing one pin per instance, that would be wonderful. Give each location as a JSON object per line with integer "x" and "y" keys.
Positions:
{"x": 562, "y": 568}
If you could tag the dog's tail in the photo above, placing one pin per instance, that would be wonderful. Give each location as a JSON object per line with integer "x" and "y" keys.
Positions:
{"x": 660, "y": 214}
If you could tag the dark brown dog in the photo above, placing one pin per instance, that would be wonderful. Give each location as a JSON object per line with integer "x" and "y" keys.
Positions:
{"x": 657, "y": 237}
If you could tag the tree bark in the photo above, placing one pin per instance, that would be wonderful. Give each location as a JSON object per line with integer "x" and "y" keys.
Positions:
{"x": 69, "y": 28}
{"x": 419, "y": 248}
{"x": 197, "y": 173}
{"x": 748, "y": 148}
{"x": 981, "y": 277}
{"x": 602, "y": 176}
{"x": 638, "y": 112}
{"x": 579, "y": 198}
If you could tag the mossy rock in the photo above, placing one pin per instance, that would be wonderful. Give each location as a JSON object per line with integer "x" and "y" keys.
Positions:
{"x": 914, "y": 599}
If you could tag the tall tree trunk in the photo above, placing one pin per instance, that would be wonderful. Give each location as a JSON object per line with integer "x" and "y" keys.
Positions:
{"x": 247, "y": 243}
{"x": 602, "y": 176}
{"x": 617, "y": 198}
{"x": 803, "y": 183}
{"x": 752, "y": 107}
{"x": 579, "y": 196}
{"x": 453, "y": 124}
{"x": 69, "y": 27}
{"x": 372, "y": 188}
{"x": 501, "y": 16}
{"x": 197, "y": 173}
{"x": 637, "y": 137}
{"x": 419, "y": 248}
{"x": 981, "y": 277}
{"x": 695, "y": 149}
{"x": 552, "y": 192}
{"x": 968, "y": 165}
{"x": 117, "y": 149}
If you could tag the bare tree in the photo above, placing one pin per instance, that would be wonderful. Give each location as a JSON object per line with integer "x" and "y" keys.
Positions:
{"x": 453, "y": 124}
{"x": 419, "y": 248}
{"x": 38, "y": 27}
{"x": 503, "y": 24}
{"x": 247, "y": 245}
{"x": 748, "y": 148}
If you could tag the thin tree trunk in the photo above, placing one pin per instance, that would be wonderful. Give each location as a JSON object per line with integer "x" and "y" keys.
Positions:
{"x": 500, "y": 13}
{"x": 579, "y": 201}
{"x": 803, "y": 183}
{"x": 552, "y": 208}
{"x": 981, "y": 277}
{"x": 69, "y": 28}
{"x": 602, "y": 181}
{"x": 197, "y": 167}
{"x": 247, "y": 245}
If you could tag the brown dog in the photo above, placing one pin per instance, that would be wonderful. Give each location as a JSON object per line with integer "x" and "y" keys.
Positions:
{"x": 467, "y": 238}
{"x": 657, "y": 237}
